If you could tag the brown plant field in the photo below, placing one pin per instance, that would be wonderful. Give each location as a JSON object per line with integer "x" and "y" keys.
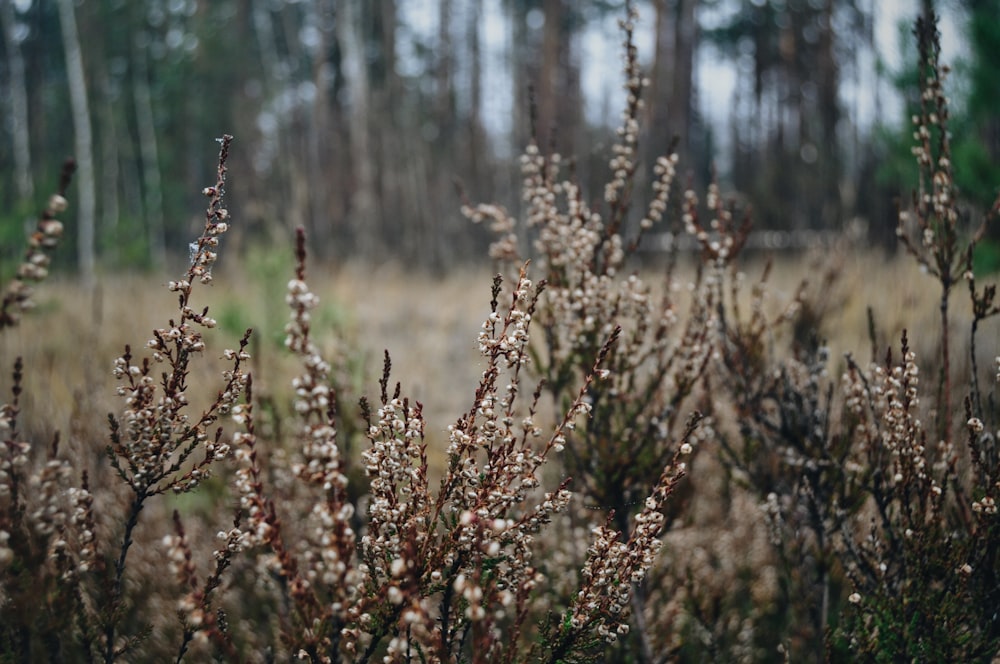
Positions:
{"x": 591, "y": 455}
{"x": 427, "y": 323}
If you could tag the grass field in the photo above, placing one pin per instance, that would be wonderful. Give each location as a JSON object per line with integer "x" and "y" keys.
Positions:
{"x": 427, "y": 323}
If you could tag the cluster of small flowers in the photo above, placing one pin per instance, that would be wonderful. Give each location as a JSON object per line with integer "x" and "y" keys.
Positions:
{"x": 217, "y": 222}
{"x": 190, "y": 606}
{"x": 929, "y": 125}
{"x": 236, "y": 541}
{"x": 566, "y": 238}
{"x": 262, "y": 529}
{"x": 153, "y": 425}
{"x": 179, "y": 561}
{"x": 864, "y": 390}
{"x": 554, "y": 502}
{"x": 50, "y": 512}
{"x": 34, "y": 267}
{"x": 986, "y": 504}
{"x": 570, "y": 238}
{"x": 625, "y": 151}
{"x": 155, "y": 431}
{"x": 505, "y": 248}
{"x": 314, "y": 396}
{"x": 535, "y": 188}
{"x": 902, "y": 429}
{"x": 604, "y": 597}
{"x": 399, "y": 498}
{"x": 867, "y": 396}
{"x": 582, "y": 314}
{"x": 886, "y": 402}
{"x": 722, "y": 240}
{"x": 614, "y": 565}
{"x": 246, "y": 483}
{"x": 6, "y": 553}
{"x": 472, "y": 593}
{"x": 170, "y": 342}
{"x": 33, "y": 504}
{"x": 300, "y": 300}
{"x": 158, "y": 433}
{"x": 935, "y": 204}
{"x": 82, "y": 518}
{"x": 482, "y": 498}
{"x": 15, "y": 453}
{"x": 329, "y": 542}
{"x": 891, "y": 395}
{"x": 665, "y": 171}
{"x": 45, "y": 507}
{"x": 510, "y": 342}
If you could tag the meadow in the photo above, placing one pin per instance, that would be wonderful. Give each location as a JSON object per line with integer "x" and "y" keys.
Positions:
{"x": 428, "y": 323}
{"x": 578, "y": 453}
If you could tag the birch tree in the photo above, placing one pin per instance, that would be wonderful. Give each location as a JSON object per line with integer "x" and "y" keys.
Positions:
{"x": 18, "y": 103}
{"x": 82, "y": 138}
{"x": 362, "y": 199}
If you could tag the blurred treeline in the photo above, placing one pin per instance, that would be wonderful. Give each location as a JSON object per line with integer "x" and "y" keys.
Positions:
{"x": 366, "y": 121}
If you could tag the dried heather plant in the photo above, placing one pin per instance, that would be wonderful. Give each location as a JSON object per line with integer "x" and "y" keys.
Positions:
{"x": 776, "y": 437}
{"x": 440, "y": 575}
{"x": 649, "y": 379}
{"x": 41, "y": 243}
{"x": 154, "y": 440}
{"x": 866, "y": 488}
{"x": 923, "y": 567}
{"x": 47, "y": 530}
{"x": 46, "y": 541}
{"x": 52, "y": 541}
{"x": 656, "y": 362}
{"x": 932, "y": 231}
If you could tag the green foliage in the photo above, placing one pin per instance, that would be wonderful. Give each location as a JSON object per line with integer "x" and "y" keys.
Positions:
{"x": 974, "y": 122}
{"x": 986, "y": 257}
{"x": 976, "y": 168}
{"x": 12, "y": 236}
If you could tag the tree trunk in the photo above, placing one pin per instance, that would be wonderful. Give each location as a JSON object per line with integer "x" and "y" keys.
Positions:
{"x": 445, "y": 71}
{"x": 476, "y": 146}
{"x": 661, "y": 97}
{"x": 361, "y": 211}
{"x": 149, "y": 153}
{"x": 829, "y": 113}
{"x": 321, "y": 166}
{"x": 83, "y": 139}
{"x": 685, "y": 40}
{"x": 280, "y": 168}
{"x": 109, "y": 144}
{"x": 18, "y": 102}
{"x": 523, "y": 128}
{"x": 548, "y": 75}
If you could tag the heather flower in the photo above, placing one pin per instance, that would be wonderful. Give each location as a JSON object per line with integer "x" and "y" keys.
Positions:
{"x": 41, "y": 243}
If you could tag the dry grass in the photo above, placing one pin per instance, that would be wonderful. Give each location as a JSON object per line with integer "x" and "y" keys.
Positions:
{"x": 427, "y": 323}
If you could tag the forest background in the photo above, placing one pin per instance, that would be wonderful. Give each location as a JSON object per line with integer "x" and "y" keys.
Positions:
{"x": 367, "y": 122}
